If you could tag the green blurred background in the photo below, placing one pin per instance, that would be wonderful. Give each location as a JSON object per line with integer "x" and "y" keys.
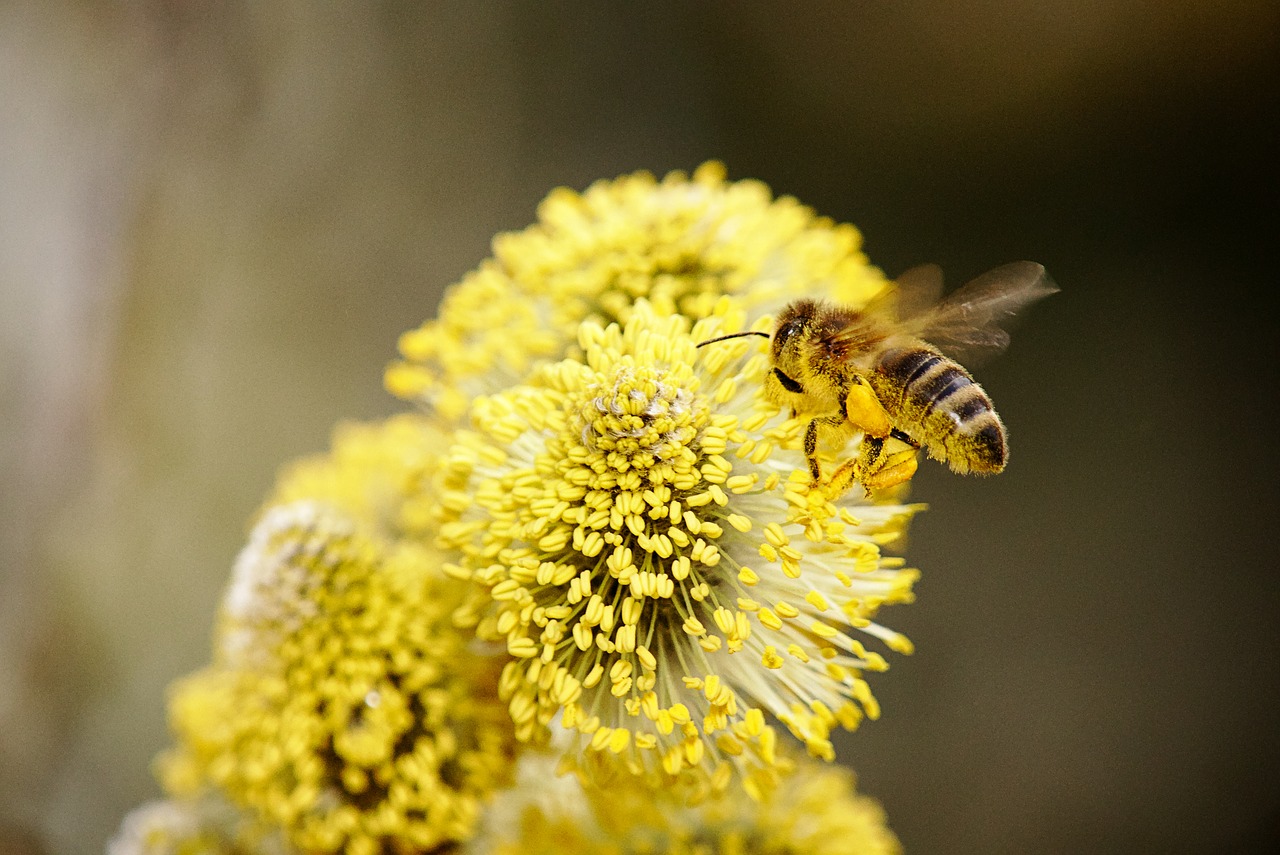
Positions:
{"x": 215, "y": 219}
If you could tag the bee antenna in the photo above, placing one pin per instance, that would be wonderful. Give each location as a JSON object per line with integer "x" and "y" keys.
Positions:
{"x": 731, "y": 335}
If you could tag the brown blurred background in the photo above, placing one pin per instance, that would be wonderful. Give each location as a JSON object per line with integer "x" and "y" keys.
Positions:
{"x": 216, "y": 217}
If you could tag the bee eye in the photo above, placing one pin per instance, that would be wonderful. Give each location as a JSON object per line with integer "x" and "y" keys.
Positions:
{"x": 787, "y": 383}
{"x": 787, "y": 330}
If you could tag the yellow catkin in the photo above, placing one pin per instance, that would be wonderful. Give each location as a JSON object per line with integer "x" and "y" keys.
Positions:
{"x": 343, "y": 642}
{"x": 614, "y": 480}
{"x": 819, "y": 813}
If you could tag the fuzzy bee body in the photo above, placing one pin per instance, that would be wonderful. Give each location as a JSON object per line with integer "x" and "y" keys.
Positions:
{"x": 886, "y": 372}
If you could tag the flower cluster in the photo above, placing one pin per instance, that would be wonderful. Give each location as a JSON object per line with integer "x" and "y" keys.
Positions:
{"x": 651, "y": 552}
{"x": 342, "y": 706}
{"x": 681, "y": 243}
{"x": 821, "y": 814}
{"x": 379, "y": 473}
{"x": 207, "y": 825}
{"x": 596, "y": 550}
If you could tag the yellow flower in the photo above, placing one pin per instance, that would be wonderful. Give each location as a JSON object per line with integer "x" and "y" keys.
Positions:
{"x": 379, "y": 473}
{"x": 818, "y": 813}
{"x": 641, "y": 524}
{"x": 342, "y": 706}
{"x": 681, "y": 243}
{"x": 204, "y": 826}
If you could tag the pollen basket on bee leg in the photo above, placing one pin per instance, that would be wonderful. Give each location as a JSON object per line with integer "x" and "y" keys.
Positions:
{"x": 865, "y": 411}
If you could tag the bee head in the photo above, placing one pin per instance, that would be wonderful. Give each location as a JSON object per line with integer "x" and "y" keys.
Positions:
{"x": 791, "y": 344}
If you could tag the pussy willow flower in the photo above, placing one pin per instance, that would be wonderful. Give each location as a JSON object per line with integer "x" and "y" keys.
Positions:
{"x": 642, "y": 527}
{"x": 197, "y": 826}
{"x": 379, "y": 473}
{"x": 681, "y": 243}
{"x": 819, "y": 813}
{"x": 343, "y": 707}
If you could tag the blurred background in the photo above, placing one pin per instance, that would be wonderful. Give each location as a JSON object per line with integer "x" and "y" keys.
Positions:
{"x": 216, "y": 218}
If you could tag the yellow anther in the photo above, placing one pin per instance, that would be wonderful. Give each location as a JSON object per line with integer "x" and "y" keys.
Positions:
{"x": 816, "y": 600}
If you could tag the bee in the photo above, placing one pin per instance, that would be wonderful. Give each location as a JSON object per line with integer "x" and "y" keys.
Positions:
{"x": 888, "y": 371}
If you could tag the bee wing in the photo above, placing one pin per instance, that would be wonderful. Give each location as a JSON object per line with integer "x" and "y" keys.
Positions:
{"x": 973, "y": 322}
{"x": 913, "y": 293}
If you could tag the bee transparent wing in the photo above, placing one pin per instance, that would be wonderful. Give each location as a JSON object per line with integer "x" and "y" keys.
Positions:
{"x": 919, "y": 290}
{"x": 973, "y": 322}
{"x": 909, "y": 296}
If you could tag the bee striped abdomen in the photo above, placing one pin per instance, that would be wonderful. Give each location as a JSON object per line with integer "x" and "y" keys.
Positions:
{"x": 906, "y": 365}
{"x": 942, "y": 407}
{"x": 940, "y": 386}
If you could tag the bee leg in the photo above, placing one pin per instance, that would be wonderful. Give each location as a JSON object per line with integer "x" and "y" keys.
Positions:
{"x": 874, "y": 447}
{"x": 811, "y": 443}
{"x": 842, "y": 479}
{"x": 902, "y": 437}
{"x": 856, "y": 469}
{"x": 811, "y": 451}
{"x": 875, "y": 468}
{"x": 889, "y": 468}
{"x": 898, "y": 469}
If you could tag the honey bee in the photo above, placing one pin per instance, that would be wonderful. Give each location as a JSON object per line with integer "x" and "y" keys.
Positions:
{"x": 886, "y": 372}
